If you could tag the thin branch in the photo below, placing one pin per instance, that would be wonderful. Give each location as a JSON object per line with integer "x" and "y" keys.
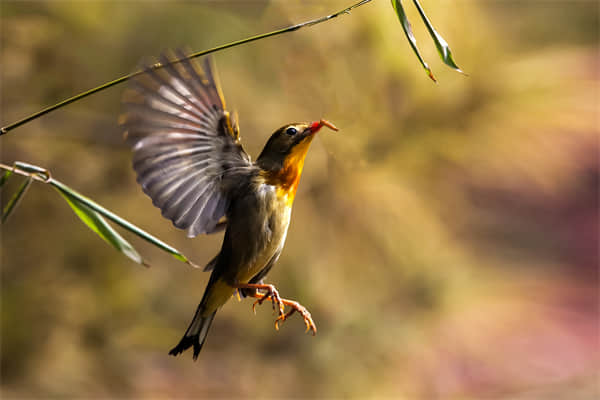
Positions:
{"x": 107, "y": 85}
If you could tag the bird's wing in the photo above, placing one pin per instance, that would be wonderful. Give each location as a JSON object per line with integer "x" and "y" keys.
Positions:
{"x": 185, "y": 144}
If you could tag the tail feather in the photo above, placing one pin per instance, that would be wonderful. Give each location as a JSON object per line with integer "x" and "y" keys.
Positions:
{"x": 195, "y": 335}
{"x": 216, "y": 294}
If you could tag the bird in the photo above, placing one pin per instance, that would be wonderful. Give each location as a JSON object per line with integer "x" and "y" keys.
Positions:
{"x": 188, "y": 158}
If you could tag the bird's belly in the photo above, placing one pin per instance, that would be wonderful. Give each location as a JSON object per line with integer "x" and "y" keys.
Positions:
{"x": 270, "y": 235}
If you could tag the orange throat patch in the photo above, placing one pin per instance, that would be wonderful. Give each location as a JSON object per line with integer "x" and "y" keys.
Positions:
{"x": 287, "y": 178}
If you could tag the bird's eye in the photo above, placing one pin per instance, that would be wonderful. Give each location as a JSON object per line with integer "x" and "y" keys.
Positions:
{"x": 291, "y": 131}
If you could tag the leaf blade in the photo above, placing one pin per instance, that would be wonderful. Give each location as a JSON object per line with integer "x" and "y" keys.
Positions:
{"x": 64, "y": 189}
{"x": 5, "y": 177}
{"x": 442, "y": 46}
{"x": 403, "y": 18}
{"x": 15, "y": 199}
{"x": 96, "y": 223}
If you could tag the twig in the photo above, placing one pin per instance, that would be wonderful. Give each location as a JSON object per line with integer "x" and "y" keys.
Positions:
{"x": 107, "y": 85}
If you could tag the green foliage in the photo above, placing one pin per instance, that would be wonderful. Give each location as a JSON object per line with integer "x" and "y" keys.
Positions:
{"x": 4, "y": 177}
{"x": 16, "y": 198}
{"x": 440, "y": 44}
{"x": 97, "y": 224}
{"x": 89, "y": 212}
{"x": 397, "y": 4}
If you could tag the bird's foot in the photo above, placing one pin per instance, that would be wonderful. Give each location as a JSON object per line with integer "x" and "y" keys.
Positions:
{"x": 271, "y": 293}
{"x": 295, "y": 306}
{"x": 278, "y": 304}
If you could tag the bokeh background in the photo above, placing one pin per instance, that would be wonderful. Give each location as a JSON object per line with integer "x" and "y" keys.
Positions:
{"x": 445, "y": 240}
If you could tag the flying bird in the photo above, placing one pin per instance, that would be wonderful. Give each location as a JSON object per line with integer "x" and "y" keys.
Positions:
{"x": 189, "y": 160}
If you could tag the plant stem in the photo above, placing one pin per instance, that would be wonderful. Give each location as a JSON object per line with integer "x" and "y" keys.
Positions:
{"x": 107, "y": 85}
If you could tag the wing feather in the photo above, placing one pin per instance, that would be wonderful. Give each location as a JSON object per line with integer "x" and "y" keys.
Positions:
{"x": 185, "y": 148}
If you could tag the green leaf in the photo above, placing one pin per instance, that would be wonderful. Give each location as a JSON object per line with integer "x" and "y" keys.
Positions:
{"x": 5, "y": 177}
{"x": 96, "y": 223}
{"x": 441, "y": 45}
{"x": 14, "y": 201}
{"x": 67, "y": 191}
{"x": 397, "y": 4}
{"x": 90, "y": 212}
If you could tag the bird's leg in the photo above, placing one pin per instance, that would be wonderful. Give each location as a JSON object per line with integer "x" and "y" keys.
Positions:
{"x": 271, "y": 294}
{"x": 294, "y": 305}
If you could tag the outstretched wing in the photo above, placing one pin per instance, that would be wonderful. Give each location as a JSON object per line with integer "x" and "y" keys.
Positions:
{"x": 185, "y": 144}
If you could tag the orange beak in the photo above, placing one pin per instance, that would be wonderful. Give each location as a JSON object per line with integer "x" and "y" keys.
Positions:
{"x": 315, "y": 126}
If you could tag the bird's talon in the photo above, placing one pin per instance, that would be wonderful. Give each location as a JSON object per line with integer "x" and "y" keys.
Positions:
{"x": 261, "y": 300}
{"x": 308, "y": 321}
{"x": 273, "y": 295}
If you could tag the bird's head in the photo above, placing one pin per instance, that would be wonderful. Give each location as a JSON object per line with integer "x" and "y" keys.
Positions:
{"x": 282, "y": 159}
{"x": 289, "y": 145}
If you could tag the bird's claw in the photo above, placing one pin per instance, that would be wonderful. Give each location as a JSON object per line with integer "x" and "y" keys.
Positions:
{"x": 283, "y": 317}
{"x": 273, "y": 295}
{"x": 308, "y": 321}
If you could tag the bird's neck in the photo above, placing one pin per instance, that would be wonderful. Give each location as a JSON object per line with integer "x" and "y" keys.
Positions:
{"x": 287, "y": 177}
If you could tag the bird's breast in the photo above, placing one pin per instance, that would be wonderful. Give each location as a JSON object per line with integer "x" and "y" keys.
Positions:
{"x": 264, "y": 232}
{"x": 277, "y": 214}
{"x": 285, "y": 182}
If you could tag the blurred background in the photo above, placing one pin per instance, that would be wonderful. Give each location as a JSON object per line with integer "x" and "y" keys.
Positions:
{"x": 445, "y": 240}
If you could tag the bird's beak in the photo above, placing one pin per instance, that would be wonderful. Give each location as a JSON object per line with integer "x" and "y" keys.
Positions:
{"x": 315, "y": 126}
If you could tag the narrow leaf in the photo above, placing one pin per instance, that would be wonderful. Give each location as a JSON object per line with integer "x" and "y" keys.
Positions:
{"x": 14, "y": 201}
{"x": 397, "y": 4}
{"x": 64, "y": 189}
{"x": 5, "y": 177}
{"x": 441, "y": 45}
{"x": 97, "y": 224}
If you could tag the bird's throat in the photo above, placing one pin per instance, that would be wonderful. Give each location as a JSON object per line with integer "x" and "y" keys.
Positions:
{"x": 287, "y": 178}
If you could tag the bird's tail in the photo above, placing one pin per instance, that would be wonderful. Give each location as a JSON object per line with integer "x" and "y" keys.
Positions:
{"x": 195, "y": 334}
